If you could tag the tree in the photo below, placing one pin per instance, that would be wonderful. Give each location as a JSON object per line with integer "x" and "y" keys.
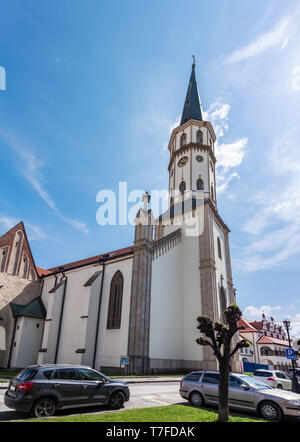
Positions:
{"x": 220, "y": 340}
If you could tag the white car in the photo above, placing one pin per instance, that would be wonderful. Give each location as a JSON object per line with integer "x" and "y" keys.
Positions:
{"x": 274, "y": 378}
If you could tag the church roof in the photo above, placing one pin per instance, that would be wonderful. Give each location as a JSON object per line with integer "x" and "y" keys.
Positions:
{"x": 192, "y": 106}
{"x": 35, "y": 309}
{"x": 92, "y": 260}
{"x": 269, "y": 340}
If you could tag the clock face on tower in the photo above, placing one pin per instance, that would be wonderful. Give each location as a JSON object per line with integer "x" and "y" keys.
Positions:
{"x": 183, "y": 161}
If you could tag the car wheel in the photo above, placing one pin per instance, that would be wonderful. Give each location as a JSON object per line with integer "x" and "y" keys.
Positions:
{"x": 116, "y": 401}
{"x": 279, "y": 386}
{"x": 270, "y": 411}
{"x": 44, "y": 407}
{"x": 196, "y": 399}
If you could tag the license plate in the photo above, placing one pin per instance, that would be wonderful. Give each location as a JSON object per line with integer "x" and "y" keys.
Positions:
{"x": 12, "y": 388}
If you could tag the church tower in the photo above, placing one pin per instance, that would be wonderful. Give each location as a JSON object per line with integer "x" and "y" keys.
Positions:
{"x": 191, "y": 272}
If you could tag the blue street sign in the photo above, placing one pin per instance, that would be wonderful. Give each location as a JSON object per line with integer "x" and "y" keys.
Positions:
{"x": 124, "y": 360}
{"x": 290, "y": 353}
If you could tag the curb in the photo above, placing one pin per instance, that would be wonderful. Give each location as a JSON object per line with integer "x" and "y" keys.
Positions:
{"x": 4, "y": 385}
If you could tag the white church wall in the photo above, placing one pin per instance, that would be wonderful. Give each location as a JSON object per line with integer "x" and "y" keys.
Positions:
{"x": 166, "y": 317}
{"x": 191, "y": 295}
{"x": 220, "y": 263}
{"x": 114, "y": 343}
{"x": 28, "y": 339}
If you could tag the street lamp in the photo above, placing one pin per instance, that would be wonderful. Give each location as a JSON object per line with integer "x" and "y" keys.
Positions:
{"x": 287, "y": 325}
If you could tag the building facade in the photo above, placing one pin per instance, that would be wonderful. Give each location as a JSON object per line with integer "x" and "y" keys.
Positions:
{"x": 143, "y": 301}
{"x": 268, "y": 343}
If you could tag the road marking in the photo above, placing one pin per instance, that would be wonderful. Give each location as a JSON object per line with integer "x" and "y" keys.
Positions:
{"x": 154, "y": 399}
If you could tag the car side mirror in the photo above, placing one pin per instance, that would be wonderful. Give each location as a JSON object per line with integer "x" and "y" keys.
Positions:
{"x": 245, "y": 387}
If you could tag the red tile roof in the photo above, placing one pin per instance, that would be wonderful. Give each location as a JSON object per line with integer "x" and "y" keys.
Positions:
{"x": 269, "y": 340}
{"x": 248, "y": 327}
{"x": 42, "y": 272}
{"x": 257, "y": 324}
{"x": 93, "y": 259}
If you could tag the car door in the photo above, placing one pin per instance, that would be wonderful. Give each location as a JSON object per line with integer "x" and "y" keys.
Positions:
{"x": 240, "y": 397}
{"x": 210, "y": 387}
{"x": 93, "y": 386}
{"x": 284, "y": 380}
{"x": 65, "y": 381}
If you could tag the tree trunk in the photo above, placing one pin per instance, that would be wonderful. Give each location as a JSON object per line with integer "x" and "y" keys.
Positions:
{"x": 223, "y": 391}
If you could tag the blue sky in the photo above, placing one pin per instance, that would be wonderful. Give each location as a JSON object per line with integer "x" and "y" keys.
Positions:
{"x": 92, "y": 91}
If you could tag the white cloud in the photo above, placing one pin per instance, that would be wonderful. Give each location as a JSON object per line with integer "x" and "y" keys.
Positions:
{"x": 278, "y": 36}
{"x": 34, "y": 232}
{"x": 30, "y": 168}
{"x": 232, "y": 154}
{"x": 295, "y": 81}
{"x": 252, "y": 312}
{"x": 228, "y": 155}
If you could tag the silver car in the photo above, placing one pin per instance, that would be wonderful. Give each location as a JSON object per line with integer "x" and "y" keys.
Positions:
{"x": 245, "y": 393}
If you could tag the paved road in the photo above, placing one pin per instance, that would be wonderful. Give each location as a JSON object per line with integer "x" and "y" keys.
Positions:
{"x": 142, "y": 395}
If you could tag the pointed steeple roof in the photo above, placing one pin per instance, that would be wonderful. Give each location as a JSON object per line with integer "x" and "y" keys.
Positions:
{"x": 192, "y": 106}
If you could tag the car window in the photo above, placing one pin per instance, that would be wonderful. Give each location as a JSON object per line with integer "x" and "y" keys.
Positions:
{"x": 234, "y": 381}
{"x": 193, "y": 377}
{"x": 258, "y": 385}
{"x": 287, "y": 376}
{"x": 65, "y": 373}
{"x": 211, "y": 378}
{"x": 48, "y": 373}
{"x": 27, "y": 374}
{"x": 280, "y": 375}
{"x": 89, "y": 375}
{"x": 263, "y": 374}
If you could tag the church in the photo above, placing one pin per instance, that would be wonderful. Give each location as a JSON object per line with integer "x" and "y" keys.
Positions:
{"x": 132, "y": 310}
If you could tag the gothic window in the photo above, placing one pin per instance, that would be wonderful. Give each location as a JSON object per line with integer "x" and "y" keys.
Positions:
{"x": 223, "y": 303}
{"x": 3, "y": 258}
{"x": 182, "y": 140}
{"x": 18, "y": 244}
{"x": 219, "y": 248}
{"x": 199, "y": 137}
{"x": 115, "y": 301}
{"x": 182, "y": 187}
{"x": 32, "y": 275}
{"x": 24, "y": 266}
{"x": 200, "y": 184}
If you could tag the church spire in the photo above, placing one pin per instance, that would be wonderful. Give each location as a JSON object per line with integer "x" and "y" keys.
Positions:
{"x": 192, "y": 105}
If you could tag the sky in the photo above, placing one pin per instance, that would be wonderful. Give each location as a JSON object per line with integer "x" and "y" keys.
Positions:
{"x": 92, "y": 92}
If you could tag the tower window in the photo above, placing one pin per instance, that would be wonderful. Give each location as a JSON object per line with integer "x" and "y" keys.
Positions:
{"x": 219, "y": 248}
{"x": 182, "y": 140}
{"x": 200, "y": 184}
{"x": 212, "y": 192}
{"x": 199, "y": 136}
{"x": 115, "y": 301}
{"x": 182, "y": 187}
{"x": 222, "y": 303}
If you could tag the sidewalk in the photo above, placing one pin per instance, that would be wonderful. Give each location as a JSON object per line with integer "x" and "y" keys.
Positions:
{"x": 141, "y": 380}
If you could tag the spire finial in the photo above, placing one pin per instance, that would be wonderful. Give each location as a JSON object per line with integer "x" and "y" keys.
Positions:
{"x": 194, "y": 61}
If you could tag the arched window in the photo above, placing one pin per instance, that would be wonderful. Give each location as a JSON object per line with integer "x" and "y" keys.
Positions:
{"x": 212, "y": 192}
{"x": 115, "y": 301}
{"x": 3, "y": 258}
{"x": 223, "y": 303}
{"x": 200, "y": 184}
{"x": 199, "y": 136}
{"x": 32, "y": 275}
{"x": 182, "y": 140}
{"x": 18, "y": 244}
{"x": 182, "y": 187}
{"x": 219, "y": 248}
{"x": 24, "y": 266}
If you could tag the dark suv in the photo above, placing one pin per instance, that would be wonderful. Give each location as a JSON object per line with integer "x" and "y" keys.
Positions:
{"x": 43, "y": 389}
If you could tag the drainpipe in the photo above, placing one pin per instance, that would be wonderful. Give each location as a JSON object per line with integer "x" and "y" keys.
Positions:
{"x": 12, "y": 342}
{"x": 102, "y": 261}
{"x": 64, "y": 277}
